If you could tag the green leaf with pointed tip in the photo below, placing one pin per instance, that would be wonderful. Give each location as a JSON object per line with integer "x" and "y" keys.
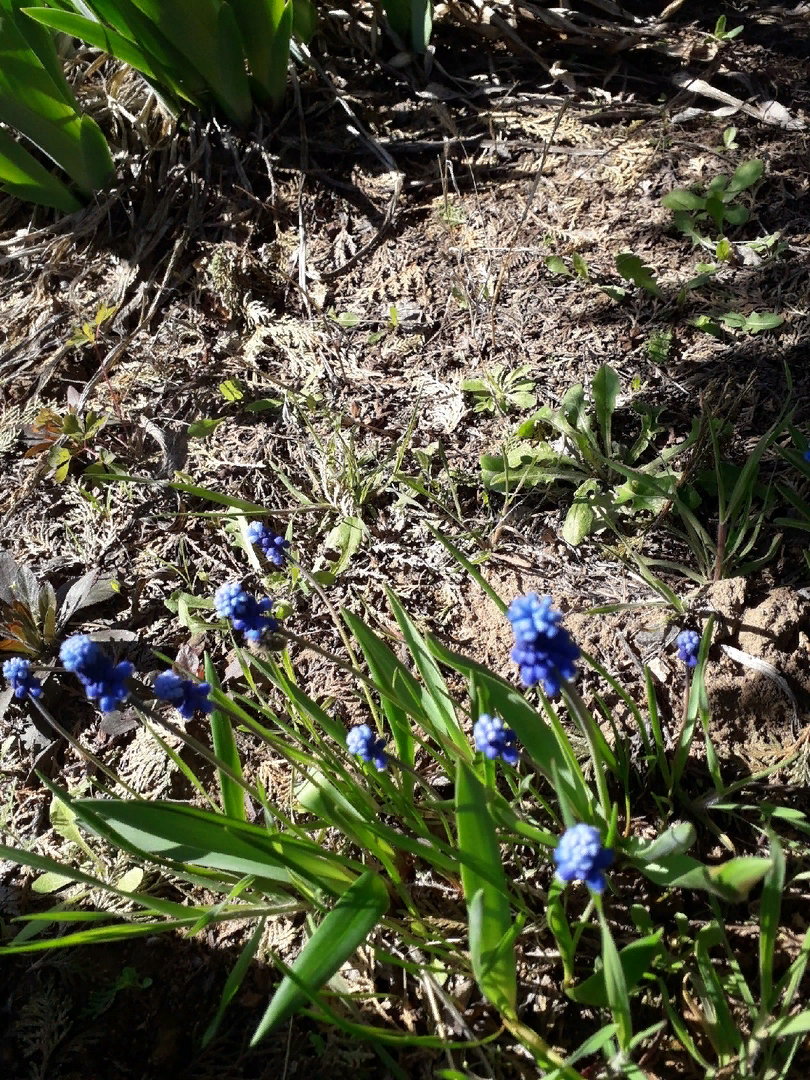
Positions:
{"x": 486, "y": 893}
{"x": 633, "y": 269}
{"x": 184, "y": 834}
{"x": 342, "y": 931}
{"x": 605, "y": 391}
{"x": 681, "y": 199}
{"x": 635, "y": 960}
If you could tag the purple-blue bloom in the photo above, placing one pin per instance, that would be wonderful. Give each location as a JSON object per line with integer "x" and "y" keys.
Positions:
{"x": 362, "y": 741}
{"x": 271, "y": 544}
{"x": 495, "y": 739}
{"x": 688, "y": 644}
{"x": 186, "y": 695}
{"x": 103, "y": 680}
{"x": 807, "y": 455}
{"x": 245, "y": 612}
{"x": 21, "y": 681}
{"x": 544, "y": 650}
{"x": 580, "y": 856}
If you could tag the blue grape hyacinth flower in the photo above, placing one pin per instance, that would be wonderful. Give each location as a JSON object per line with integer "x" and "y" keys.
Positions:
{"x": 103, "y": 680}
{"x": 495, "y": 739}
{"x": 186, "y": 695}
{"x": 273, "y": 546}
{"x": 544, "y": 650}
{"x": 20, "y": 679}
{"x": 245, "y": 612}
{"x": 807, "y": 455}
{"x": 581, "y": 856}
{"x": 362, "y": 742}
{"x": 688, "y": 645}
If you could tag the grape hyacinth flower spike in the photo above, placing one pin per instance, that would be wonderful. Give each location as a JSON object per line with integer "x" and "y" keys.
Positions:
{"x": 494, "y": 739}
{"x": 245, "y": 612}
{"x": 807, "y": 455}
{"x": 20, "y": 679}
{"x": 581, "y": 856}
{"x": 363, "y": 743}
{"x": 544, "y": 650}
{"x": 688, "y": 644}
{"x": 186, "y": 695}
{"x": 273, "y": 546}
{"x": 103, "y": 680}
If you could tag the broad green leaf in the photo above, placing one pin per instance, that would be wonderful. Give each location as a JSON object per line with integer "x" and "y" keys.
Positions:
{"x": 233, "y": 796}
{"x": 605, "y": 391}
{"x": 633, "y": 269}
{"x": 635, "y": 960}
{"x": 33, "y": 104}
{"x": 342, "y": 931}
{"x": 486, "y": 893}
{"x": 204, "y": 427}
{"x": 346, "y": 539}
{"x": 744, "y": 176}
{"x": 265, "y": 27}
{"x": 26, "y": 178}
{"x": 790, "y": 1025}
{"x": 681, "y": 199}
{"x": 579, "y": 520}
{"x": 676, "y": 840}
{"x": 557, "y": 265}
{"x": 184, "y": 834}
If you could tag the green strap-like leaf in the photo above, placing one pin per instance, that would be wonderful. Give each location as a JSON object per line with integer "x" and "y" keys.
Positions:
{"x": 345, "y": 928}
{"x": 233, "y": 797}
{"x": 24, "y": 177}
{"x": 485, "y": 890}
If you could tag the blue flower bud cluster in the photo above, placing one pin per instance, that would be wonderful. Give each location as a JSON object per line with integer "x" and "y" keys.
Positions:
{"x": 103, "y": 680}
{"x": 273, "y": 546}
{"x": 245, "y": 612}
{"x": 495, "y": 739}
{"x": 807, "y": 455}
{"x": 362, "y": 742}
{"x": 688, "y": 645}
{"x": 581, "y": 856}
{"x": 187, "y": 696}
{"x": 21, "y": 681}
{"x": 544, "y": 650}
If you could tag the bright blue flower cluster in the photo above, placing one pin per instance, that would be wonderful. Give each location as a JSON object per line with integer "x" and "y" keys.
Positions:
{"x": 688, "y": 644}
{"x": 245, "y": 612}
{"x": 367, "y": 746}
{"x": 103, "y": 680}
{"x": 495, "y": 739}
{"x": 544, "y": 651}
{"x": 807, "y": 455}
{"x": 22, "y": 682}
{"x": 187, "y": 696}
{"x": 580, "y": 856}
{"x": 271, "y": 544}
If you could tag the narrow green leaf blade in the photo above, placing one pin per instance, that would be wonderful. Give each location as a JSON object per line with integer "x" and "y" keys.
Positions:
{"x": 233, "y": 796}
{"x": 345, "y": 928}
{"x": 485, "y": 889}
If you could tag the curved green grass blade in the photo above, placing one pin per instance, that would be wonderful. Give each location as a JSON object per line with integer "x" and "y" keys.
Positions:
{"x": 345, "y": 928}
{"x": 234, "y": 981}
{"x": 484, "y": 881}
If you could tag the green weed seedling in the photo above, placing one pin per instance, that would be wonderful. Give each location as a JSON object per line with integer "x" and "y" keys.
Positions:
{"x": 501, "y": 390}
{"x": 63, "y": 437}
{"x": 610, "y": 477}
{"x": 692, "y": 211}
